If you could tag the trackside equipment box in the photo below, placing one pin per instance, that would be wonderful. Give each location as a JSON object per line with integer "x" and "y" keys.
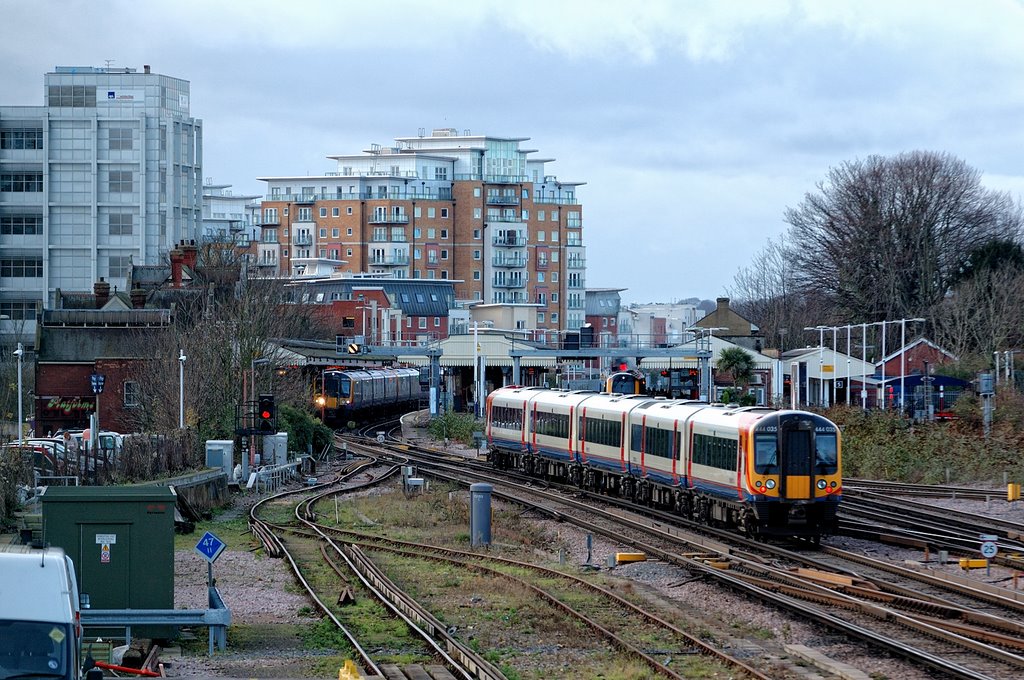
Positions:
{"x": 121, "y": 539}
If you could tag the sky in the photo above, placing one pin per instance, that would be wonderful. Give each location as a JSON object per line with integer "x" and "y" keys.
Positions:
{"x": 694, "y": 124}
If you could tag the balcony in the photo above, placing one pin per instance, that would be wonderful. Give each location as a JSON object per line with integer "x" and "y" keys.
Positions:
{"x": 510, "y": 241}
{"x": 508, "y": 283}
{"x": 502, "y": 200}
{"x": 305, "y": 198}
{"x": 556, "y": 200}
{"x": 575, "y": 263}
{"x": 509, "y": 262}
{"x": 542, "y": 263}
{"x": 302, "y": 240}
{"x": 393, "y": 261}
{"x": 389, "y": 219}
{"x": 574, "y": 304}
{"x": 503, "y": 218}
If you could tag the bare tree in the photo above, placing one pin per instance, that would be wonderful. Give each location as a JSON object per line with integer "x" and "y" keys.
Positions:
{"x": 985, "y": 313}
{"x": 885, "y": 237}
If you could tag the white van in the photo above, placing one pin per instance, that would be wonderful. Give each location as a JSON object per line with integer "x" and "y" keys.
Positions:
{"x": 40, "y": 627}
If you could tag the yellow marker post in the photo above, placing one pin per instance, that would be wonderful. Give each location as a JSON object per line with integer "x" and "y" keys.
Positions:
{"x": 350, "y": 671}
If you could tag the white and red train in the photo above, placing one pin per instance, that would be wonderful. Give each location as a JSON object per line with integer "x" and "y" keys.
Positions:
{"x": 762, "y": 470}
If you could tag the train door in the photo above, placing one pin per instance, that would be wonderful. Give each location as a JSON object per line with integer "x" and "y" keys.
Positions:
{"x": 797, "y": 457}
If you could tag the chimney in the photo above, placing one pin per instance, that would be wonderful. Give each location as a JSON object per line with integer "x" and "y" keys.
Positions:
{"x": 176, "y": 261}
{"x": 190, "y": 253}
{"x": 723, "y": 304}
{"x": 145, "y": 68}
{"x": 138, "y": 298}
{"x": 101, "y": 289}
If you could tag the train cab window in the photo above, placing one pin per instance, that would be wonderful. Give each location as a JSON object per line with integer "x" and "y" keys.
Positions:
{"x": 346, "y": 387}
{"x": 766, "y": 453}
{"x": 826, "y": 457}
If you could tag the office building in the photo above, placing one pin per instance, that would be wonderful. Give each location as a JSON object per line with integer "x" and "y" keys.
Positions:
{"x": 105, "y": 173}
{"x": 474, "y": 209}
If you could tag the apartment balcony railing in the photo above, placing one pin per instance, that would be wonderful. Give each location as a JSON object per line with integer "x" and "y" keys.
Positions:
{"x": 509, "y": 283}
{"x": 390, "y": 238}
{"x": 575, "y": 304}
{"x": 302, "y": 240}
{"x": 556, "y": 200}
{"x": 509, "y": 262}
{"x": 575, "y": 284}
{"x": 393, "y": 261}
{"x": 510, "y": 241}
{"x": 502, "y": 200}
{"x": 504, "y": 218}
{"x": 575, "y": 263}
{"x": 389, "y": 219}
{"x": 442, "y": 194}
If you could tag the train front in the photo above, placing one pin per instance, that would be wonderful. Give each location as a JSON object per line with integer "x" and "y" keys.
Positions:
{"x": 794, "y": 474}
{"x": 334, "y": 399}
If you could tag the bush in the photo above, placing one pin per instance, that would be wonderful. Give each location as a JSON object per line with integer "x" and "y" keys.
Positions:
{"x": 454, "y": 426}
{"x": 304, "y": 431}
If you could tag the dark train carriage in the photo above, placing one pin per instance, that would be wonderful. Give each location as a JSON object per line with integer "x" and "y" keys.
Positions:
{"x": 353, "y": 395}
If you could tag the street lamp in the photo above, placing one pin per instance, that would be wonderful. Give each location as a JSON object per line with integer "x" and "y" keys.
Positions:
{"x": 181, "y": 388}
{"x": 20, "y": 352}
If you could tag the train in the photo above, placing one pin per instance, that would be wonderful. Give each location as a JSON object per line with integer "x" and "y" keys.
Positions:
{"x": 342, "y": 396}
{"x": 762, "y": 471}
{"x": 626, "y": 382}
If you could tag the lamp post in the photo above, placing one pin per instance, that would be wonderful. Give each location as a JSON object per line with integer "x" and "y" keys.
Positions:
{"x": 883, "y": 365}
{"x": 20, "y": 352}
{"x": 181, "y": 388}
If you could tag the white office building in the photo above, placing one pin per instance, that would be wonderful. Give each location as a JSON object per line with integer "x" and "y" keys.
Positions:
{"x": 107, "y": 172}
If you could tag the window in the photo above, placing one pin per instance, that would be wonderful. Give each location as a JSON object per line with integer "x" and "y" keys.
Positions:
{"x": 285, "y": 212}
{"x": 554, "y": 237}
{"x": 348, "y": 232}
{"x": 444, "y": 254}
{"x": 476, "y": 254}
{"x": 21, "y": 225}
{"x": 323, "y": 233}
{"x": 717, "y": 452}
{"x": 437, "y": 322}
{"x": 526, "y": 215}
{"x": 476, "y": 274}
{"x": 348, "y": 322}
{"x": 444, "y": 233}
{"x": 526, "y": 193}
{"x": 305, "y": 214}
{"x": 132, "y": 393}
{"x": 348, "y": 211}
{"x": 476, "y": 192}
{"x": 335, "y": 233}
{"x": 120, "y": 139}
{"x": 604, "y": 432}
{"x": 554, "y": 298}
{"x": 476, "y": 234}
{"x": 541, "y": 236}
{"x": 21, "y": 138}
{"x": 21, "y": 267}
{"x": 21, "y": 182}
{"x": 79, "y": 96}
{"x": 540, "y": 277}
{"x": 423, "y": 322}
{"x": 18, "y": 310}
{"x": 431, "y": 212}
{"x": 444, "y": 274}
{"x": 477, "y": 213}
{"x": 554, "y": 315}
{"x": 540, "y": 317}
{"x": 120, "y": 224}
{"x": 444, "y": 212}
{"x": 540, "y": 215}
{"x": 119, "y": 266}
{"x": 554, "y": 277}
{"x": 270, "y": 216}
{"x": 323, "y": 212}
{"x": 431, "y": 233}
{"x": 348, "y": 252}
{"x": 336, "y": 212}
{"x": 441, "y": 173}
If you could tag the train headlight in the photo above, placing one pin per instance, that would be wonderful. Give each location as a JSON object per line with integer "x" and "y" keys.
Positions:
{"x": 758, "y": 484}
{"x": 320, "y": 401}
{"x": 770, "y": 484}
{"x": 833, "y": 485}
{"x": 822, "y": 484}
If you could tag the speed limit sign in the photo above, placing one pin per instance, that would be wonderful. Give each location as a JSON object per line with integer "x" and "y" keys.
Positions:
{"x": 989, "y": 549}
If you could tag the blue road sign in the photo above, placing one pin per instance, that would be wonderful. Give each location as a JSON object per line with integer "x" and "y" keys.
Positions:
{"x": 210, "y": 547}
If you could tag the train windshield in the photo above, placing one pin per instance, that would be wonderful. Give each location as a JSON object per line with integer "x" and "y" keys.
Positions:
{"x": 345, "y": 385}
{"x": 766, "y": 453}
{"x": 826, "y": 459}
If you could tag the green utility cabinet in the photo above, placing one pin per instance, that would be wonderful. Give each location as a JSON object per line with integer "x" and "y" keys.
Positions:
{"x": 121, "y": 539}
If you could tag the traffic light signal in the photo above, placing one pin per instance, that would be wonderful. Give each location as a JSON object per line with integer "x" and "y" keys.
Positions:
{"x": 266, "y": 414}
{"x": 664, "y": 374}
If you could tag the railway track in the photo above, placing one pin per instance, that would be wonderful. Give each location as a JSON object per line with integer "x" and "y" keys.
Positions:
{"x": 948, "y": 648}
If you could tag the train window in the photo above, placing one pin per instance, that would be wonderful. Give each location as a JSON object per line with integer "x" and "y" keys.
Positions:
{"x": 826, "y": 458}
{"x": 658, "y": 442}
{"x": 766, "y": 453}
{"x": 346, "y": 386}
{"x": 716, "y": 452}
{"x": 604, "y": 432}
{"x": 636, "y": 438}
{"x": 551, "y": 424}
{"x": 507, "y": 418}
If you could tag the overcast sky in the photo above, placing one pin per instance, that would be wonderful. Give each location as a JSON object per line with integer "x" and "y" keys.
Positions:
{"x": 693, "y": 124}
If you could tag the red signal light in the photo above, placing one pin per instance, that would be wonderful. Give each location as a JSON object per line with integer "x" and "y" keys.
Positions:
{"x": 623, "y": 366}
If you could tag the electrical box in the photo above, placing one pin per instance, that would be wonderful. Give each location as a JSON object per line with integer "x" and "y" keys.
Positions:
{"x": 220, "y": 454}
{"x": 121, "y": 539}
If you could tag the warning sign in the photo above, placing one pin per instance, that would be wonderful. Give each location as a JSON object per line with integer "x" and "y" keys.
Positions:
{"x": 105, "y": 554}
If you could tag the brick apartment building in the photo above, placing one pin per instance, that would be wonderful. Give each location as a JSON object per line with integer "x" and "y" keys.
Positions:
{"x": 473, "y": 209}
